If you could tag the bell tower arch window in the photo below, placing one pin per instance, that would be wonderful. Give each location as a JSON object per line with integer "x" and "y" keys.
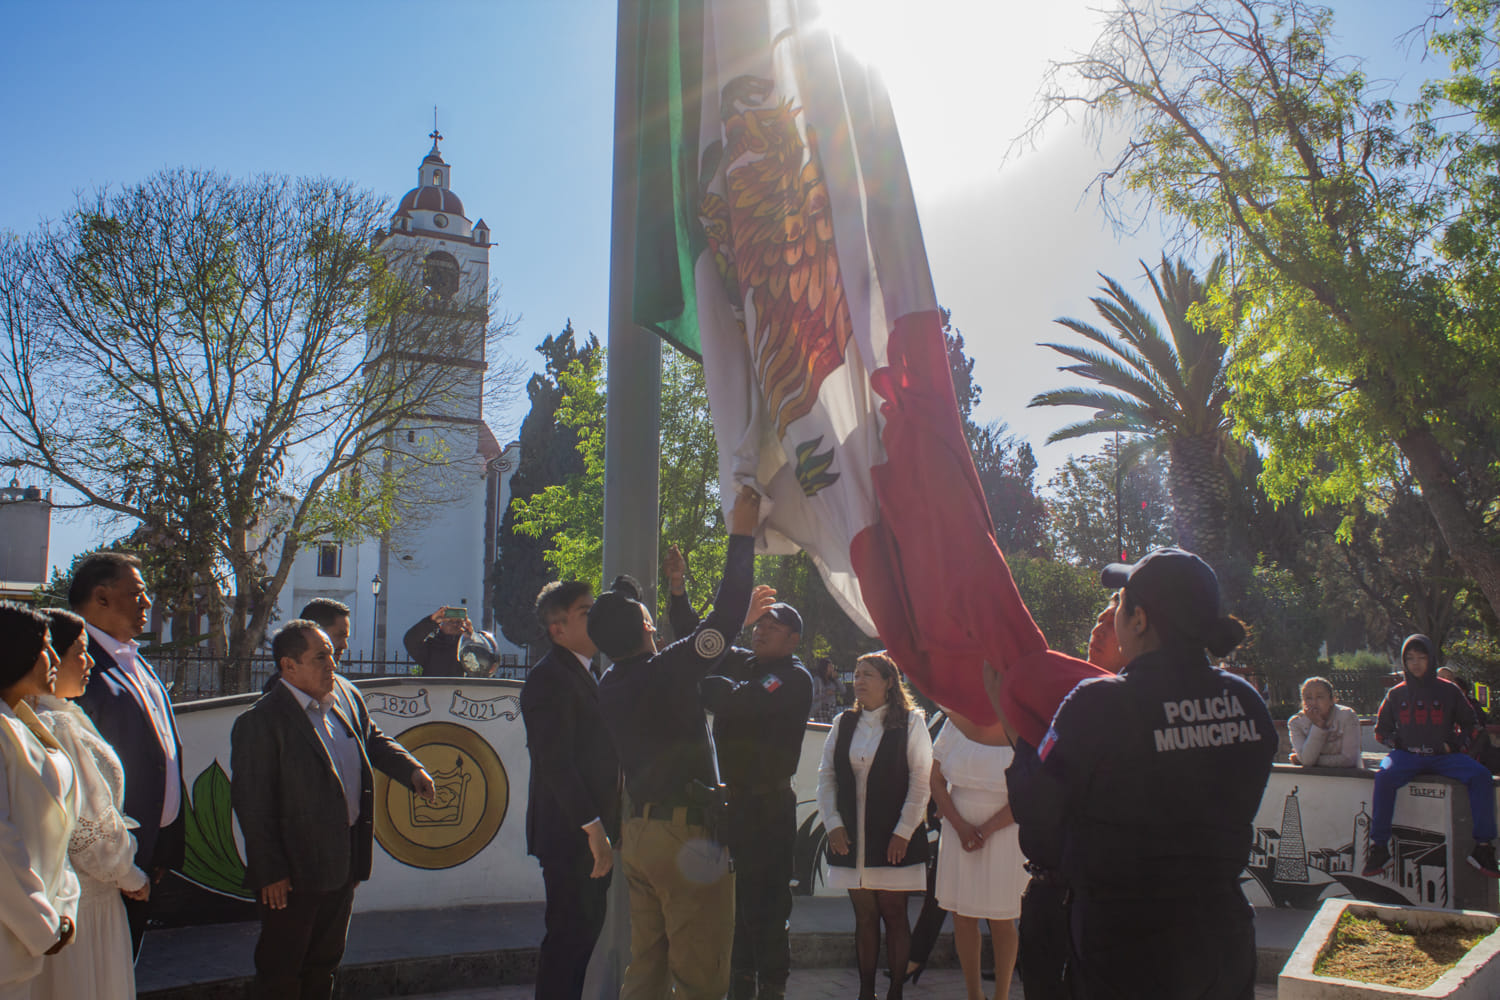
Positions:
{"x": 440, "y": 276}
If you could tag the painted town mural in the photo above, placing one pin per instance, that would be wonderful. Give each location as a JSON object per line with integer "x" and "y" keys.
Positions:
{"x": 1311, "y": 839}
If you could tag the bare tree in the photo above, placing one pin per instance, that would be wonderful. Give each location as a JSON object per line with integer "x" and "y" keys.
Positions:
{"x": 230, "y": 367}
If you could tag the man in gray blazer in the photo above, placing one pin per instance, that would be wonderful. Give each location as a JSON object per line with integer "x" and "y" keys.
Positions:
{"x": 304, "y": 792}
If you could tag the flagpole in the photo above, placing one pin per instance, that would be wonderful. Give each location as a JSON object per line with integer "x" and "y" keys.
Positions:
{"x": 632, "y": 443}
{"x": 632, "y": 414}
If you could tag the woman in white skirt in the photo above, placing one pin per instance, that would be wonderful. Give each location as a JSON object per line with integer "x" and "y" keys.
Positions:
{"x": 872, "y": 794}
{"x": 981, "y": 871}
{"x": 99, "y": 965}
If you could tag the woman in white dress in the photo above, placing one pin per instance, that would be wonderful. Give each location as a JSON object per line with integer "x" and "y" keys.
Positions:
{"x": 872, "y": 793}
{"x": 99, "y": 965}
{"x": 981, "y": 871}
{"x": 38, "y": 800}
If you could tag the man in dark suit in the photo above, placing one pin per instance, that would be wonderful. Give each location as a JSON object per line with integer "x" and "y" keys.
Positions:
{"x": 130, "y": 707}
{"x": 572, "y": 806}
{"x": 304, "y": 793}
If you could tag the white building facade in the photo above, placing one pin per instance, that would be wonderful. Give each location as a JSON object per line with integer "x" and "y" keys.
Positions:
{"x": 444, "y": 547}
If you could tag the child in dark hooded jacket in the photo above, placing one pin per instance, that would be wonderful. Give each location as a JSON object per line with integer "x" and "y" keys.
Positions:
{"x": 1425, "y": 721}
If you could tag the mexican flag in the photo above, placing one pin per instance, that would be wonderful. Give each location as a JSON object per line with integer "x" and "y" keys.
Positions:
{"x": 777, "y": 239}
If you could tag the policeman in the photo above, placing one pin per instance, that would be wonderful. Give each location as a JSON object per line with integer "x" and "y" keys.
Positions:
{"x": 681, "y": 895}
{"x": 1150, "y": 781}
{"x": 760, "y": 699}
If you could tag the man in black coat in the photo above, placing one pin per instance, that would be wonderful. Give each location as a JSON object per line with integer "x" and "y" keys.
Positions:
{"x": 433, "y": 642}
{"x": 130, "y": 707}
{"x": 681, "y": 895}
{"x": 572, "y": 803}
{"x": 304, "y": 792}
{"x": 760, "y": 698}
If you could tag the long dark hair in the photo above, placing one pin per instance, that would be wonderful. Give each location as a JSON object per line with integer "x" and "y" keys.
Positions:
{"x": 899, "y": 704}
{"x": 66, "y": 627}
{"x": 23, "y": 635}
{"x": 1220, "y": 636}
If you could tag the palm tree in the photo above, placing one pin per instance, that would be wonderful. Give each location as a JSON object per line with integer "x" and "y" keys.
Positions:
{"x": 1167, "y": 394}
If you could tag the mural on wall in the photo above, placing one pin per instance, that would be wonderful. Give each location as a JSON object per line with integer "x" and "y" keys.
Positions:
{"x": 808, "y": 868}
{"x": 470, "y": 759}
{"x": 212, "y": 858}
{"x": 473, "y": 795}
{"x": 1292, "y": 873}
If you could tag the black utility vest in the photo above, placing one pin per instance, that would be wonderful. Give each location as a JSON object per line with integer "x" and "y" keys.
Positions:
{"x": 885, "y": 793}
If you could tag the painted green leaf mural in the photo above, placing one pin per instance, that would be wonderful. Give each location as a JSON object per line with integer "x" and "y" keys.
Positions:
{"x": 212, "y": 859}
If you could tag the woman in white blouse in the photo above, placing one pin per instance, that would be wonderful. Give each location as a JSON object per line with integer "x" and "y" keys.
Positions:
{"x": 872, "y": 793}
{"x": 38, "y": 800}
{"x": 1324, "y": 733}
{"x": 99, "y": 965}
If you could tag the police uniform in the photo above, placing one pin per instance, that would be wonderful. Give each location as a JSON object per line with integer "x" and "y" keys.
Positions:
{"x": 1150, "y": 781}
{"x": 1042, "y": 952}
{"x": 760, "y": 715}
{"x": 681, "y": 893}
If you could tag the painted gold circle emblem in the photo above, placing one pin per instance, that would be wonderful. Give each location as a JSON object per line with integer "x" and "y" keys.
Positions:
{"x": 473, "y": 794}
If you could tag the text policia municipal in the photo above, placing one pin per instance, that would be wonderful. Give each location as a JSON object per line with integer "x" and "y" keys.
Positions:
{"x": 1219, "y": 722}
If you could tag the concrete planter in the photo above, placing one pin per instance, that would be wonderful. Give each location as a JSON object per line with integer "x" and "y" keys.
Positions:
{"x": 1475, "y": 977}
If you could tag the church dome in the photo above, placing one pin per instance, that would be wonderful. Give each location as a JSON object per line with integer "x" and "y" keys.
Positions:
{"x": 431, "y": 199}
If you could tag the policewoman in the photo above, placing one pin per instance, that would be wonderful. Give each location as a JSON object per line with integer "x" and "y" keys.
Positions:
{"x": 1155, "y": 776}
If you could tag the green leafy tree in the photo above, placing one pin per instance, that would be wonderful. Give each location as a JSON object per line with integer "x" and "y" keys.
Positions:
{"x": 223, "y": 366}
{"x": 1391, "y": 552}
{"x": 1286, "y": 628}
{"x": 569, "y": 516}
{"x": 690, "y": 509}
{"x": 1103, "y": 511}
{"x": 1166, "y": 391}
{"x": 1005, "y": 464}
{"x": 1365, "y": 265}
{"x": 1063, "y": 599}
{"x": 549, "y": 456}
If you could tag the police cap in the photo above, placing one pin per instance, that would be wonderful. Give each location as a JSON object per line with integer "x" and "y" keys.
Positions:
{"x": 1171, "y": 583}
{"x": 784, "y": 614}
{"x": 617, "y": 624}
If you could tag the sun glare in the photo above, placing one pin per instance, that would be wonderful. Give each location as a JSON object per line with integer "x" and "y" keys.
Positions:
{"x": 962, "y": 74}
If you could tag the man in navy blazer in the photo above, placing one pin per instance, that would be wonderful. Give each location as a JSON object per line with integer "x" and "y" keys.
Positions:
{"x": 572, "y": 805}
{"x": 130, "y": 707}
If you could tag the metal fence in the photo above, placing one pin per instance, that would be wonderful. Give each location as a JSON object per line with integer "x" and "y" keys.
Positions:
{"x": 1361, "y": 690}
{"x": 193, "y": 676}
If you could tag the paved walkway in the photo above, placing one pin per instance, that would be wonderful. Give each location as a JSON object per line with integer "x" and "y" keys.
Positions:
{"x": 427, "y": 952}
{"x": 816, "y": 984}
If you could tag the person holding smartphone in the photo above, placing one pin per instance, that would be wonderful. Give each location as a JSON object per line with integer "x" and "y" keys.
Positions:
{"x": 433, "y": 641}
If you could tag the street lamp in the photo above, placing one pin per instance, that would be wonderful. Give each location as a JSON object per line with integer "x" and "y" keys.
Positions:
{"x": 375, "y": 583}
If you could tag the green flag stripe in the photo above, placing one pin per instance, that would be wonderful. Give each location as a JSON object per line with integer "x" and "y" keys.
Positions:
{"x": 668, "y": 236}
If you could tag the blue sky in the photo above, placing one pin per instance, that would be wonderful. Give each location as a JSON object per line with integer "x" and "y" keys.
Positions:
{"x": 104, "y": 93}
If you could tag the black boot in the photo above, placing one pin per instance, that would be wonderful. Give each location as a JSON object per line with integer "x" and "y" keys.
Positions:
{"x": 741, "y": 985}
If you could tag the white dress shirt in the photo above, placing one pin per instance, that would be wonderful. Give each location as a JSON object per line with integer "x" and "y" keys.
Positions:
{"x": 338, "y": 740}
{"x": 869, "y": 731}
{"x": 152, "y": 695}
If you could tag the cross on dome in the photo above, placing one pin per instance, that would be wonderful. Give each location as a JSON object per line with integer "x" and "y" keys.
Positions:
{"x": 435, "y": 135}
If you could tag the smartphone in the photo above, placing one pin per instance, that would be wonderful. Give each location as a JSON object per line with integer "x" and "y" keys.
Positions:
{"x": 456, "y": 613}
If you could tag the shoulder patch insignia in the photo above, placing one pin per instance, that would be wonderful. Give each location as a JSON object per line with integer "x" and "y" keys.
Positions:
{"x": 1047, "y": 744}
{"x": 709, "y": 643}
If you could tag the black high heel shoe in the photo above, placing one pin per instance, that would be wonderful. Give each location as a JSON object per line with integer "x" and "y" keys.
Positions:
{"x": 911, "y": 976}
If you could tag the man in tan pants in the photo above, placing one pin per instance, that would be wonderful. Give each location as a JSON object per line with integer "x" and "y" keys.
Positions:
{"x": 676, "y": 865}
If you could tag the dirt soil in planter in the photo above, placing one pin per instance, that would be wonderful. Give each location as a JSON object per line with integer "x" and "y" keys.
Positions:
{"x": 1369, "y": 950}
